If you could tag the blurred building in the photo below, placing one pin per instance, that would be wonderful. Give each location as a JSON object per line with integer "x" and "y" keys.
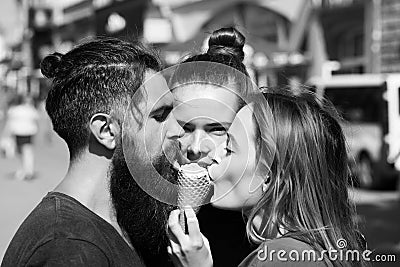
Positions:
{"x": 266, "y": 24}
{"x": 123, "y": 19}
{"x": 57, "y": 26}
{"x": 286, "y": 38}
{"x": 288, "y": 41}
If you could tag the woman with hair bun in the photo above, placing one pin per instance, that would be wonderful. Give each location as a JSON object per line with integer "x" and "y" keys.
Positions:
{"x": 209, "y": 89}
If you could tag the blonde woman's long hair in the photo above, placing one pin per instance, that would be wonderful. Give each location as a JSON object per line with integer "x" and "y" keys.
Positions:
{"x": 306, "y": 195}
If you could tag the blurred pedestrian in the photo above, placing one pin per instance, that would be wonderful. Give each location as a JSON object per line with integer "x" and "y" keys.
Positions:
{"x": 22, "y": 124}
{"x": 7, "y": 144}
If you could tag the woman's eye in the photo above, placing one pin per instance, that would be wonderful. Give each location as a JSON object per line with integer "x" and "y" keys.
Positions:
{"x": 228, "y": 151}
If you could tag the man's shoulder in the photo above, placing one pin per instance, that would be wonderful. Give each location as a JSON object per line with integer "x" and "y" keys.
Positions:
{"x": 60, "y": 223}
{"x": 58, "y": 252}
{"x": 59, "y": 215}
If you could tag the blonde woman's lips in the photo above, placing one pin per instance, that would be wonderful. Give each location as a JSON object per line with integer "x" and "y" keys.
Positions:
{"x": 205, "y": 162}
{"x": 209, "y": 172}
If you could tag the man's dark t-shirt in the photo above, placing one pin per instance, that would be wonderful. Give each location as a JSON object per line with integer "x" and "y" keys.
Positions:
{"x": 60, "y": 231}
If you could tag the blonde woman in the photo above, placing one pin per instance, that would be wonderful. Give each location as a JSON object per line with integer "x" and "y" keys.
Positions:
{"x": 285, "y": 167}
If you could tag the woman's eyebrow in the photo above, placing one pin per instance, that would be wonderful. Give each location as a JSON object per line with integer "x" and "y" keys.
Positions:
{"x": 226, "y": 125}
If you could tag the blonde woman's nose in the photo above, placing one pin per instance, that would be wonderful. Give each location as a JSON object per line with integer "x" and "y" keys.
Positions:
{"x": 218, "y": 153}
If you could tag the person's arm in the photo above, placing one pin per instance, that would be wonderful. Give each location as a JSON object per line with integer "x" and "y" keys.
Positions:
{"x": 6, "y": 129}
{"x": 36, "y": 116}
{"x": 188, "y": 250}
{"x": 68, "y": 252}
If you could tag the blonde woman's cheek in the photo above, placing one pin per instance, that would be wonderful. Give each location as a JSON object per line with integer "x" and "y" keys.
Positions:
{"x": 219, "y": 170}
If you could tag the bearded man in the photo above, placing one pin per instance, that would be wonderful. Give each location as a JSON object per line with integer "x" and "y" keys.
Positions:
{"x": 98, "y": 215}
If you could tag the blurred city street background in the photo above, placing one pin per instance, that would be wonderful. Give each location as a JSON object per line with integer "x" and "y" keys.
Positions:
{"x": 345, "y": 50}
{"x": 18, "y": 197}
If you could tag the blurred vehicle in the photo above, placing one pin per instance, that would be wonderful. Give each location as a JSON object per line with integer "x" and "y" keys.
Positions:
{"x": 369, "y": 105}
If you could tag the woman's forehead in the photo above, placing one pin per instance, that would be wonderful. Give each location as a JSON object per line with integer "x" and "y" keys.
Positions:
{"x": 201, "y": 103}
{"x": 205, "y": 91}
{"x": 204, "y": 111}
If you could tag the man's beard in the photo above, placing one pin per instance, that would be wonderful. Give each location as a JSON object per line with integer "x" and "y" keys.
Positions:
{"x": 142, "y": 217}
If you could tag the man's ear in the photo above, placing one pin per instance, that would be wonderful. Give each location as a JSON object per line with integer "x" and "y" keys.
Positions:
{"x": 105, "y": 129}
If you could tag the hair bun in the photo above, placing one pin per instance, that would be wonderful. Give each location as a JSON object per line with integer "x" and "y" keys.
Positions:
{"x": 50, "y": 65}
{"x": 227, "y": 41}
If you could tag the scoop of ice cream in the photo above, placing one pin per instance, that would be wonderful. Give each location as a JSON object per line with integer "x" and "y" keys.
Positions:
{"x": 193, "y": 170}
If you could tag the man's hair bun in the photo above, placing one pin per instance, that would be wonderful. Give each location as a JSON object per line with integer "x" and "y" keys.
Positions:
{"x": 50, "y": 65}
{"x": 227, "y": 41}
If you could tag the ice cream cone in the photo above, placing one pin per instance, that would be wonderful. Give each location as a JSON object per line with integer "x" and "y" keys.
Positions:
{"x": 194, "y": 187}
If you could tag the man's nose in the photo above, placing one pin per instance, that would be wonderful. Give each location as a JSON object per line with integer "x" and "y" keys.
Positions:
{"x": 174, "y": 130}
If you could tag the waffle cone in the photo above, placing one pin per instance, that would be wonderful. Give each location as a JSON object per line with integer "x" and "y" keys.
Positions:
{"x": 194, "y": 189}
